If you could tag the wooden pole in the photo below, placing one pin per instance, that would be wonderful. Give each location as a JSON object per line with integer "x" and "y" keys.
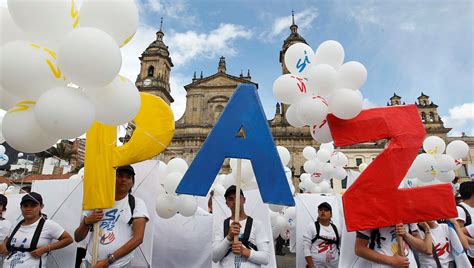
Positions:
{"x": 95, "y": 243}
{"x": 237, "y": 194}
{"x": 401, "y": 247}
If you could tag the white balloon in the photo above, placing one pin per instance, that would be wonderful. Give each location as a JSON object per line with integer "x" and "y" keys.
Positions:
{"x": 278, "y": 225}
{"x": 339, "y": 159}
{"x": 309, "y": 153}
{"x": 166, "y": 206}
{"x": 327, "y": 170}
{"x": 330, "y": 52}
{"x": 316, "y": 189}
{"x": 171, "y": 182}
{"x": 290, "y": 89}
{"x": 187, "y": 205}
{"x": 161, "y": 190}
{"x": 339, "y": 173}
{"x": 327, "y": 146}
{"x": 2, "y": 149}
{"x": 321, "y": 133}
{"x": 219, "y": 190}
{"x": 249, "y": 185}
{"x": 305, "y": 185}
{"x": 445, "y": 176}
{"x": 118, "y": 18}
{"x": 351, "y": 75}
{"x": 7, "y": 100}
{"x": 322, "y": 79}
{"x": 276, "y": 208}
{"x": 345, "y": 103}
{"x": 20, "y": 60}
{"x": 177, "y": 165}
{"x": 362, "y": 167}
{"x": 290, "y": 213}
{"x": 323, "y": 155}
{"x": 20, "y": 154}
{"x": 316, "y": 177}
{"x": 10, "y": 31}
{"x": 325, "y": 186}
{"x": 162, "y": 170}
{"x": 292, "y": 117}
{"x": 299, "y": 58}
{"x": 305, "y": 176}
{"x": 45, "y": 21}
{"x": 423, "y": 164}
{"x": 78, "y": 56}
{"x": 81, "y": 173}
{"x": 64, "y": 112}
{"x": 444, "y": 163}
{"x": 117, "y": 103}
{"x": 426, "y": 175}
{"x": 22, "y": 132}
{"x": 246, "y": 172}
{"x": 458, "y": 163}
{"x": 434, "y": 145}
{"x": 312, "y": 111}
{"x": 311, "y": 166}
{"x": 3, "y": 187}
{"x": 457, "y": 149}
{"x": 284, "y": 154}
{"x": 3, "y": 159}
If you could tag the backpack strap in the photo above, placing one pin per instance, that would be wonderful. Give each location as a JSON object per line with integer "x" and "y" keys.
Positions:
{"x": 245, "y": 238}
{"x": 9, "y": 246}
{"x": 318, "y": 229}
{"x": 337, "y": 235}
{"x": 36, "y": 235}
{"x": 435, "y": 256}
{"x": 226, "y": 226}
{"x": 131, "y": 203}
{"x": 374, "y": 237}
{"x": 468, "y": 216}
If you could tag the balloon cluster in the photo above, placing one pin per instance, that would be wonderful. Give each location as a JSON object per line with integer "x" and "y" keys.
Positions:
{"x": 247, "y": 180}
{"x": 320, "y": 167}
{"x": 283, "y": 221}
{"x": 3, "y": 157}
{"x": 5, "y": 189}
{"x": 59, "y": 69}
{"x": 168, "y": 203}
{"x": 434, "y": 165}
{"x": 319, "y": 83}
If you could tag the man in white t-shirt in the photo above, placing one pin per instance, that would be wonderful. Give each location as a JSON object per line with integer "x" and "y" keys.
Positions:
{"x": 466, "y": 212}
{"x": 253, "y": 248}
{"x": 122, "y": 227}
{"x": 321, "y": 249}
{"x": 5, "y": 225}
{"x": 380, "y": 247}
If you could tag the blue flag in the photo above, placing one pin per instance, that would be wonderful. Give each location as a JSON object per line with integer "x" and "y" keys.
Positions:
{"x": 241, "y": 132}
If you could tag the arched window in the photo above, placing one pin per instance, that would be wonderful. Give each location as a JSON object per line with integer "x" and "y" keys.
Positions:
{"x": 151, "y": 70}
{"x": 432, "y": 117}
{"x": 217, "y": 112}
{"x": 423, "y": 117}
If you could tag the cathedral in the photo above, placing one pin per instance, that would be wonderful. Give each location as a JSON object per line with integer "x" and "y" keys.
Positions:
{"x": 206, "y": 98}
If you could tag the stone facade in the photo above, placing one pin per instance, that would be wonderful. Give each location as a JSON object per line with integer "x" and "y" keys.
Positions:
{"x": 207, "y": 96}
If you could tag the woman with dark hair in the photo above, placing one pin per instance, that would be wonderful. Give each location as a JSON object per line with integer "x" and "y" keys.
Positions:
{"x": 321, "y": 240}
{"x": 5, "y": 225}
{"x": 30, "y": 242}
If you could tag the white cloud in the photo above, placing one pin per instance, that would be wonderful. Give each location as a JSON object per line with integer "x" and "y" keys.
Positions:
{"x": 282, "y": 24}
{"x": 461, "y": 119}
{"x": 191, "y": 44}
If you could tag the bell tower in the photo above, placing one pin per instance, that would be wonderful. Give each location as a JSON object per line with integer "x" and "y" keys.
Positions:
{"x": 154, "y": 77}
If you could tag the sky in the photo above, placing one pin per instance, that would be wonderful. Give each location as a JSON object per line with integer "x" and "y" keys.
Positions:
{"x": 408, "y": 47}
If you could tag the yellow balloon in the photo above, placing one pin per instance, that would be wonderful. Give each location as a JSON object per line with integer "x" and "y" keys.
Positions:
{"x": 154, "y": 131}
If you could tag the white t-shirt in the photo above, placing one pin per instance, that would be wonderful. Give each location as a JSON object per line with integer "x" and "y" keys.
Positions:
{"x": 440, "y": 236}
{"x": 389, "y": 246}
{"x": 51, "y": 231}
{"x": 324, "y": 254}
{"x": 5, "y": 226}
{"x": 462, "y": 217}
{"x": 115, "y": 229}
{"x": 258, "y": 237}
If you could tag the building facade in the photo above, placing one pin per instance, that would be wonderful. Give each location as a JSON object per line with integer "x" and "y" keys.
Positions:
{"x": 206, "y": 98}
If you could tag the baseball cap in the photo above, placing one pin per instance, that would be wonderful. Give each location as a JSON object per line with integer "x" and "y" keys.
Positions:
{"x": 33, "y": 197}
{"x": 128, "y": 169}
{"x": 325, "y": 205}
{"x": 231, "y": 190}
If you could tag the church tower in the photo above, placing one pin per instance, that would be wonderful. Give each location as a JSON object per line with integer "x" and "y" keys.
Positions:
{"x": 430, "y": 117}
{"x": 154, "y": 76}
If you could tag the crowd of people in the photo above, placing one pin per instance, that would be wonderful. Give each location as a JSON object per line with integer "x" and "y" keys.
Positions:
{"x": 27, "y": 243}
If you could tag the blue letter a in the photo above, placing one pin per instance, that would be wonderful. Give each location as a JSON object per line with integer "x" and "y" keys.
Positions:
{"x": 241, "y": 132}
